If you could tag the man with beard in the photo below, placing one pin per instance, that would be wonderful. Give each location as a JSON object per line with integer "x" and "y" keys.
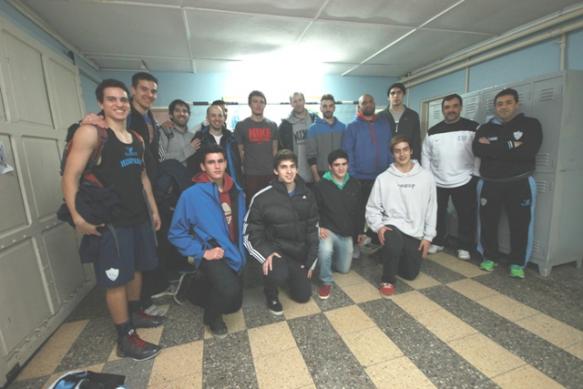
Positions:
{"x": 176, "y": 141}
{"x": 324, "y": 136}
{"x": 447, "y": 154}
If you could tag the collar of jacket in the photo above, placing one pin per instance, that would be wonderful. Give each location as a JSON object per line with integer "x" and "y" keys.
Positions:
{"x": 300, "y": 189}
{"x": 341, "y": 185}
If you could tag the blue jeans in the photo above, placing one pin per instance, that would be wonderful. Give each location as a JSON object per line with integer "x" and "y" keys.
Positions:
{"x": 334, "y": 251}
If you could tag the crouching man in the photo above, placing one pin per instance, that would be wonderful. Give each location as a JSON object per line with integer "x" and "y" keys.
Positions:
{"x": 207, "y": 225}
{"x": 341, "y": 212}
{"x": 402, "y": 209}
{"x": 281, "y": 232}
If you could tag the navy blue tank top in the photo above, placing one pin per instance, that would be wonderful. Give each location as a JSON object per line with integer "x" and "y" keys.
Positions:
{"x": 121, "y": 169}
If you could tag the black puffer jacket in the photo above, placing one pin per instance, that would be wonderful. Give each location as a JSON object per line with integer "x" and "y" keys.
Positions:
{"x": 288, "y": 225}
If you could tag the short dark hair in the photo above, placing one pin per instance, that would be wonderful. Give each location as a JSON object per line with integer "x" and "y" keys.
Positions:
{"x": 139, "y": 76}
{"x": 399, "y": 85}
{"x": 284, "y": 155}
{"x": 334, "y": 155}
{"x": 109, "y": 83}
{"x": 451, "y": 97}
{"x": 507, "y": 92}
{"x": 327, "y": 96}
{"x": 211, "y": 149}
{"x": 256, "y": 93}
{"x": 218, "y": 102}
{"x": 176, "y": 102}
{"x": 398, "y": 139}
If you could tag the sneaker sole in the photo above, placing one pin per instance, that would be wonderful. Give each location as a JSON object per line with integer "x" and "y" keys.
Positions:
{"x": 385, "y": 296}
{"x": 276, "y": 313}
{"x": 324, "y": 297}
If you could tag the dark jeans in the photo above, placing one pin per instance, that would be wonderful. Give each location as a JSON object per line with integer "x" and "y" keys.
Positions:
{"x": 225, "y": 288}
{"x": 464, "y": 201}
{"x": 401, "y": 256}
{"x": 287, "y": 271}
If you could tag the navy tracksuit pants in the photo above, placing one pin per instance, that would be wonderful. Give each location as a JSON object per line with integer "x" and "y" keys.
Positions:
{"x": 518, "y": 198}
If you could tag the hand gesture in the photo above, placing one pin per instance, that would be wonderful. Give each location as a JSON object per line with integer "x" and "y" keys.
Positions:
{"x": 268, "y": 264}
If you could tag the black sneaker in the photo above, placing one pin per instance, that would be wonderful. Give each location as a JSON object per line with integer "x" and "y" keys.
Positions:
{"x": 218, "y": 327}
{"x": 132, "y": 346}
{"x": 274, "y": 306}
{"x": 141, "y": 319}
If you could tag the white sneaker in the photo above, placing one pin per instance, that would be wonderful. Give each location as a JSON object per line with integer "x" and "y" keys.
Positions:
{"x": 434, "y": 249}
{"x": 157, "y": 310}
{"x": 464, "y": 254}
{"x": 171, "y": 291}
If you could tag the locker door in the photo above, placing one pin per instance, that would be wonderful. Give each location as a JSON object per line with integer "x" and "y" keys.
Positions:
{"x": 41, "y": 277}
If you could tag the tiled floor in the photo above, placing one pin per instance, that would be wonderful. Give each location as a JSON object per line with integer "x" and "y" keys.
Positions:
{"x": 454, "y": 326}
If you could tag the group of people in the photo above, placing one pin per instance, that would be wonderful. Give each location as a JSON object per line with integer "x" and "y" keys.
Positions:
{"x": 300, "y": 198}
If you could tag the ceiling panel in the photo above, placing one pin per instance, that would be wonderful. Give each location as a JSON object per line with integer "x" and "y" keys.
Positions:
{"x": 407, "y": 13}
{"x": 341, "y": 42}
{"x": 230, "y": 36}
{"x": 114, "y": 28}
{"x": 425, "y": 46}
{"x": 297, "y": 8}
{"x": 497, "y": 16}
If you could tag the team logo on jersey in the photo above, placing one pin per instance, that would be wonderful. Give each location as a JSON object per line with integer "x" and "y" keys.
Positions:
{"x": 112, "y": 273}
{"x": 517, "y": 134}
{"x": 483, "y": 201}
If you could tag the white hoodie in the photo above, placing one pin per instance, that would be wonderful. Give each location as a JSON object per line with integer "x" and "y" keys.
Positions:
{"x": 407, "y": 201}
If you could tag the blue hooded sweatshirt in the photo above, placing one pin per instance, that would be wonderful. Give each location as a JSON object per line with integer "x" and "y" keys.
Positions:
{"x": 367, "y": 144}
{"x": 199, "y": 222}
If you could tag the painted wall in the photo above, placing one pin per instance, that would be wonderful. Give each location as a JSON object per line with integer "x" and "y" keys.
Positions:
{"x": 234, "y": 87}
{"x": 529, "y": 62}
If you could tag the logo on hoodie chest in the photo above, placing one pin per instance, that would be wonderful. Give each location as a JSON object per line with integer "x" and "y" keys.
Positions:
{"x": 406, "y": 186}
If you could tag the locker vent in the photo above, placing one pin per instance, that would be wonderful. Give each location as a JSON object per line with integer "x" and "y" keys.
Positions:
{"x": 546, "y": 94}
{"x": 544, "y": 160}
{"x": 471, "y": 109}
{"x": 543, "y": 187}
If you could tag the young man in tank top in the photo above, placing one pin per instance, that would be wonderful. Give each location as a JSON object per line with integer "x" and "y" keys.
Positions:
{"x": 126, "y": 242}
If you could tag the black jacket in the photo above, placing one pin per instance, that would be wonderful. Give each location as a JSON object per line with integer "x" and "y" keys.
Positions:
{"x": 502, "y": 159}
{"x": 288, "y": 225}
{"x": 341, "y": 210}
{"x": 137, "y": 123}
{"x": 409, "y": 126}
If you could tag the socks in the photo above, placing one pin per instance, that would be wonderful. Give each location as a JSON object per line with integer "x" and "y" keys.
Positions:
{"x": 124, "y": 329}
{"x": 134, "y": 306}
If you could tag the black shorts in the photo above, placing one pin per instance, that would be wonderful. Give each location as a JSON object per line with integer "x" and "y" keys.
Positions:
{"x": 131, "y": 249}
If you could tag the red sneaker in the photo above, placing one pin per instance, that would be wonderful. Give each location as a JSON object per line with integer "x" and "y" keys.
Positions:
{"x": 324, "y": 291}
{"x": 386, "y": 289}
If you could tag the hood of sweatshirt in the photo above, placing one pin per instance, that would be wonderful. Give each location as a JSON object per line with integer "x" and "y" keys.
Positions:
{"x": 203, "y": 177}
{"x": 293, "y": 119}
{"x": 413, "y": 172}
